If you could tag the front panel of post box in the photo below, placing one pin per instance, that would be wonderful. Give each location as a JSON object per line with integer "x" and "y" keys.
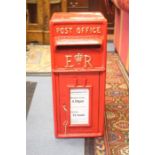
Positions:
{"x": 78, "y": 55}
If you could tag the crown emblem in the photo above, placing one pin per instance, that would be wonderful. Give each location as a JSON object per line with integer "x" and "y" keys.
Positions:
{"x": 78, "y": 57}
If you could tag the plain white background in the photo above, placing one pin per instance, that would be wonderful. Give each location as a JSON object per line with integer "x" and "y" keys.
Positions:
{"x": 13, "y": 77}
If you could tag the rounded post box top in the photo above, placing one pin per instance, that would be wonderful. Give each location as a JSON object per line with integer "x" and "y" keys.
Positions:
{"x": 59, "y": 17}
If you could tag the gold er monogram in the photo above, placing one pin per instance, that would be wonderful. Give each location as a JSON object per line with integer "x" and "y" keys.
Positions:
{"x": 78, "y": 58}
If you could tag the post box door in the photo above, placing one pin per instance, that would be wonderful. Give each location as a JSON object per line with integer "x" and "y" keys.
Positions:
{"x": 78, "y": 103}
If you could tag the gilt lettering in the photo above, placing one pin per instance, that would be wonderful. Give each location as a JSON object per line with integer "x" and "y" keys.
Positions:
{"x": 73, "y": 60}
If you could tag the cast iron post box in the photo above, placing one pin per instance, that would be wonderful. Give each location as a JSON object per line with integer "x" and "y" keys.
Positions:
{"x": 78, "y": 58}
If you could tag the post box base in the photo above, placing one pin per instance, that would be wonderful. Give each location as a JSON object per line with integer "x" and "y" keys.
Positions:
{"x": 79, "y": 135}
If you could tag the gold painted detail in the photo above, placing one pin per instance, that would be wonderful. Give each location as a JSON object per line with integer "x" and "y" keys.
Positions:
{"x": 78, "y": 30}
{"x": 79, "y": 58}
{"x": 65, "y": 123}
{"x": 68, "y": 61}
{"x": 65, "y": 126}
{"x": 64, "y": 108}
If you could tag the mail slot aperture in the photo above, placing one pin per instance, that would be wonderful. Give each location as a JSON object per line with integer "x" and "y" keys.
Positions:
{"x": 76, "y": 42}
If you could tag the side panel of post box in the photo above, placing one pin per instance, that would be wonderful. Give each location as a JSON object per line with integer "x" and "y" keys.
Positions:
{"x": 56, "y": 84}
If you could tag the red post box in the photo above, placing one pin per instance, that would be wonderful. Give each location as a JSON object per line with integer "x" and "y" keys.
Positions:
{"x": 78, "y": 58}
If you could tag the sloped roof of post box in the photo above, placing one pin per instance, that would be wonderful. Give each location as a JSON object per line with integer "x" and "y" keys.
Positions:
{"x": 60, "y": 17}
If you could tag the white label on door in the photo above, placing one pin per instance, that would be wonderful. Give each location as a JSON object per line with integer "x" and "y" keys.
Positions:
{"x": 79, "y": 106}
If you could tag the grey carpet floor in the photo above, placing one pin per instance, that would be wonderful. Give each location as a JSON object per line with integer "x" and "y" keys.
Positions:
{"x": 40, "y": 138}
{"x": 30, "y": 88}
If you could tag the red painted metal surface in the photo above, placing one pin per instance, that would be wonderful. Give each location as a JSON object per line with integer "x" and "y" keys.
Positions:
{"x": 78, "y": 60}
